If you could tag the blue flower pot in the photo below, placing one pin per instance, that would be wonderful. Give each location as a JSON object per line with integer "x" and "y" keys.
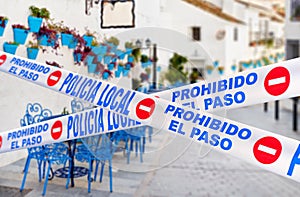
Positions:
{"x": 88, "y": 40}
{"x": 105, "y": 75}
{"x": 20, "y": 35}
{"x": 125, "y": 72}
{"x": 120, "y": 54}
{"x": 113, "y": 48}
{"x": 10, "y": 48}
{"x": 77, "y": 57}
{"x": 3, "y": 28}
{"x": 34, "y": 24}
{"x": 209, "y": 71}
{"x": 32, "y": 53}
{"x": 45, "y": 41}
{"x": 99, "y": 58}
{"x": 111, "y": 66}
{"x": 117, "y": 73}
{"x": 130, "y": 58}
{"x": 120, "y": 68}
{"x": 107, "y": 59}
{"x": 128, "y": 50}
{"x": 73, "y": 43}
{"x": 127, "y": 66}
{"x": 92, "y": 68}
{"x": 66, "y": 39}
{"x": 89, "y": 59}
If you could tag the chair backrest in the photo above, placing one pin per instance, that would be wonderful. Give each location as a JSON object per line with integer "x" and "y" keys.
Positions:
{"x": 78, "y": 105}
{"x": 34, "y": 114}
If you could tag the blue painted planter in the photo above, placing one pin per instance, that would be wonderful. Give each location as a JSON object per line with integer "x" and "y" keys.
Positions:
{"x": 128, "y": 50}
{"x": 146, "y": 64}
{"x": 10, "y": 48}
{"x": 127, "y": 66}
{"x": 209, "y": 71}
{"x": 99, "y": 58}
{"x": 121, "y": 54}
{"x": 111, "y": 66}
{"x": 3, "y": 28}
{"x": 77, "y": 57}
{"x": 20, "y": 35}
{"x": 34, "y": 23}
{"x": 120, "y": 68}
{"x": 45, "y": 41}
{"x": 126, "y": 72}
{"x": 117, "y": 73}
{"x": 92, "y": 68}
{"x": 88, "y": 40}
{"x": 105, "y": 75}
{"x": 113, "y": 48}
{"x": 73, "y": 43}
{"x": 130, "y": 58}
{"x": 32, "y": 53}
{"x": 89, "y": 59}
{"x": 66, "y": 39}
{"x": 107, "y": 59}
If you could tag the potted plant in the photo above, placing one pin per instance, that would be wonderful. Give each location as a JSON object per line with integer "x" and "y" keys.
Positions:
{"x": 3, "y": 23}
{"x": 145, "y": 60}
{"x": 32, "y": 50}
{"x": 221, "y": 70}
{"x": 10, "y": 47}
{"x": 20, "y": 33}
{"x": 209, "y": 69}
{"x": 47, "y": 36}
{"x": 113, "y": 43}
{"x": 106, "y": 74}
{"x": 36, "y": 17}
{"x": 89, "y": 37}
{"x": 129, "y": 46}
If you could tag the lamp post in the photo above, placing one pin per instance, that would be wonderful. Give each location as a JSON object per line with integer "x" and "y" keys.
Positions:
{"x": 148, "y": 43}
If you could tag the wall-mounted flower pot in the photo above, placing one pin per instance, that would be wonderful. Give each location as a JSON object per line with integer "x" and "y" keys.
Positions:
{"x": 105, "y": 75}
{"x": 113, "y": 48}
{"x": 92, "y": 68}
{"x": 121, "y": 54}
{"x": 100, "y": 50}
{"x": 88, "y": 40}
{"x": 125, "y": 72}
{"x": 20, "y": 35}
{"x": 44, "y": 40}
{"x": 209, "y": 71}
{"x": 130, "y": 58}
{"x": 73, "y": 43}
{"x": 107, "y": 59}
{"x": 66, "y": 39}
{"x": 89, "y": 59}
{"x": 111, "y": 66}
{"x": 117, "y": 73}
{"x": 34, "y": 23}
{"x": 32, "y": 53}
{"x": 77, "y": 57}
{"x": 10, "y": 48}
{"x": 3, "y": 28}
{"x": 120, "y": 68}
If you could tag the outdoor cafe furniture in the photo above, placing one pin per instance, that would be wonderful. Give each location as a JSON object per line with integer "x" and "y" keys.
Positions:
{"x": 50, "y": 154}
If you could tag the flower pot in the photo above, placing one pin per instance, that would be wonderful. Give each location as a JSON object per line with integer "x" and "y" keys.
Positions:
{"x": 66, "y": 39}
{"x": 3, "y": 28}
{"x": 209, "y": 71}
{"x": 73, "y": 43}
{"x": 111, "y": 66}
{"x": 32, "y": 53}
{"x": 130, "y": 58}
{"x": 120, "y": 68}
{"x": 10, "y": 48}
{"x": 100, "y": 50}
{"x": 20, "y": 35}
{"x": 120, "y": 54}
{"x": 113, "y": 48}
{"x": 105, "y": 75}
{"x": 127, "y": 66}
{"x": 107, "y": 59}
{"x": 77, "y": 57}
{"x": 128, "y": 50}
{"x": 125, "y": 72}
{"x": 34, "y": 23}
{"x": 44, "y": 40}
{"x": 88, "y": 40}
{"x": 117, "y": 73}
{"x": 92, "y": 68}
{"x": 89, "y": 60}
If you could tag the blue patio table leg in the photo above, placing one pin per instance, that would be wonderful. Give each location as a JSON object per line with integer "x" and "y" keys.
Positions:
{"x": 71, "y": 163}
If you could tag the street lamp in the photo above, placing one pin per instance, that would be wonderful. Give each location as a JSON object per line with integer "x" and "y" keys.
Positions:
{"x": 148, "y": 43}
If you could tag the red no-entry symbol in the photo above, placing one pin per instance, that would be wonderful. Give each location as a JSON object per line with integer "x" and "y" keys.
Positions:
{"x": 2, "y": 59}
{"x": 0, "y": 141}
{"x": 277, "y": 81}
{"x": 145, "y": 108}
{"x": 267, "y": 150}
{"x": 54, "y": 78}
{"x": 56, "y": 130}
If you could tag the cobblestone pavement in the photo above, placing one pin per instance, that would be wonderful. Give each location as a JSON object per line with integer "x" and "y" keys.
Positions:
{"x": 174, "y": 166}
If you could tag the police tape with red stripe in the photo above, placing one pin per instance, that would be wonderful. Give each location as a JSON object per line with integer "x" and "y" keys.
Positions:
{"x": 245, "y": 142}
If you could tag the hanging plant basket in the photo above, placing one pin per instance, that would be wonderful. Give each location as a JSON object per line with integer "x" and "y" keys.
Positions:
{"x": 66, "y": 39}
{"x": 32, "y": 53}
{"x": 3, "y": 23}
{"x": 20, "y": 33}
{"x": 10, "y": 47}
{"x": 34, "y": 23}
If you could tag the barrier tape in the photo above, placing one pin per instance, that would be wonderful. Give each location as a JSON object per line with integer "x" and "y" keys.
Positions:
{"x": 270, "y": 151}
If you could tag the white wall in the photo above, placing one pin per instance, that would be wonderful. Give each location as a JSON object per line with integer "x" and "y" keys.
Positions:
{"x": 292, "y": 28}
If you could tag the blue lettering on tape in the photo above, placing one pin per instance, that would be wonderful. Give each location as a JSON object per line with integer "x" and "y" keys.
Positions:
{"x": 295, "y": 161}
{"x": 227, "y": 100}
{"x": 30, "y": 65}
{"x": 117, "y": 121}
{"x": 208, "y": 122}
{"x": 215, "y": 87}
{"x": 14, "y": 135}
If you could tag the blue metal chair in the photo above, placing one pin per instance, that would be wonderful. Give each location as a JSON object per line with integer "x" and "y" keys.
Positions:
{"x": 51, "y": 154}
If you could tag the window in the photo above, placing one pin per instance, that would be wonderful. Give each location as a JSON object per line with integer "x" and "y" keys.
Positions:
{"x": 196, "y": 33}
{"x": 295, "y": 10}
{"x": 235, "y": 34}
